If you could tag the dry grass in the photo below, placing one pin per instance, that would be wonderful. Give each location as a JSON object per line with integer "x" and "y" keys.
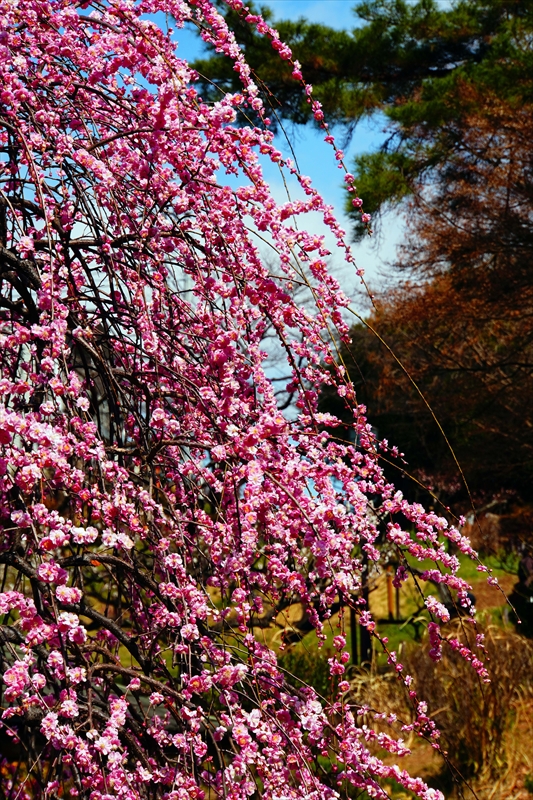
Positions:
{"x": 487, "y": 730}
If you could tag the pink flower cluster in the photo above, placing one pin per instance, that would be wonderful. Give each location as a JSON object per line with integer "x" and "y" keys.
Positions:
{"x": 157, "y": 509}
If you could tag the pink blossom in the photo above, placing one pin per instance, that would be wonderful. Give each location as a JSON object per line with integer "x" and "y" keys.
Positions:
{"x": 68, "y": 594}
{"x": 52, "y": 573}
{"x": 437, "y": 608}
{"x": 16, "y": 679}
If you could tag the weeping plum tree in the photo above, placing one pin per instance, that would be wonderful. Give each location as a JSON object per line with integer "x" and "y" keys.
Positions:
{"x": 158, "y": 511}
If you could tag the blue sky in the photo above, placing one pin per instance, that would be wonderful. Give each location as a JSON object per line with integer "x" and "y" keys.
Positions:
{"x": 316, "y": 158}
{"x": 337, "y": 13}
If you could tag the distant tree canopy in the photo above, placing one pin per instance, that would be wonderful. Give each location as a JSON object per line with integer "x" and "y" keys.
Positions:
{"x": 422, "y": 66}
{"x": 463, "y": 325}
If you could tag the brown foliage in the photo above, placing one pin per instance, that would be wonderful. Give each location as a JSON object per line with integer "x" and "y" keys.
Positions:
{"x": 461, "y": 324}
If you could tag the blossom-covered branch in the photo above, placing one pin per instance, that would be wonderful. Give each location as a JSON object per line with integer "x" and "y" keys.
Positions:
{"x": 157, "y": 508}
